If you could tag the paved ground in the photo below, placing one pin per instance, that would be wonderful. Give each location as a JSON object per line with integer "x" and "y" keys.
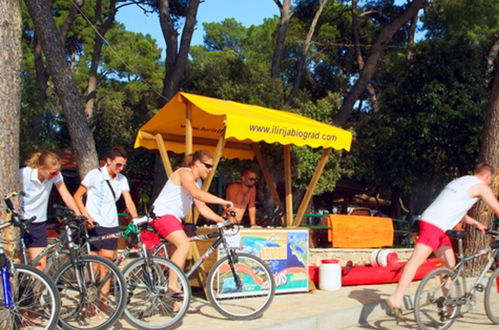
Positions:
{"x": 353, "y": 307}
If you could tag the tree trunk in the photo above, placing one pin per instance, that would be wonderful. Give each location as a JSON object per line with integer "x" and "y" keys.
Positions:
{"x": 81, "y": 136}
{"x": 102, "y": 28}
{"x": 176, "y": 60}
{"x": 285, "y": 9}
{"x": 489, "y": 153}
{"x": 412, "y": 35}
{"x": 359, "y": 56}
{"x": 10, "y": 99}
{"x": 369, "y": 69}
{"x": 303, "y": 60}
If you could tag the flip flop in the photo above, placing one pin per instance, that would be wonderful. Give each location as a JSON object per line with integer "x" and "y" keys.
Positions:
{"x": 395, "y": 311}
{"x": 178, "y": 297}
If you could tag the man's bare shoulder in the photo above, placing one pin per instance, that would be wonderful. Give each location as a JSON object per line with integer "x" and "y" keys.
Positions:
{"x": 234, "y": 185}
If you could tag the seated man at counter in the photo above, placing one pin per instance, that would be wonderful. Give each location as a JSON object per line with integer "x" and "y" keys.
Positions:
{"x": 243, "y": 196}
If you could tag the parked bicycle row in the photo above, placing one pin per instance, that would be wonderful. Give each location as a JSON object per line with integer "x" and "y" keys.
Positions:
{"x": 84, "y": 291}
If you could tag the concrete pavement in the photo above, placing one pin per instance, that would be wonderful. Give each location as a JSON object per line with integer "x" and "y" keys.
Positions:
{"x": 352, "y": 307}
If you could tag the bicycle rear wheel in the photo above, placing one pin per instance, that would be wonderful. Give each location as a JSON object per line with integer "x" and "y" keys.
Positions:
{"x": 491, "y": 297}
{"x": 251, "y": 298}
{"x": 92, "y": 291}
{"x": 34, "y": 297}
{"x": 436, "y": 303}
{"x": 149, "y": 304}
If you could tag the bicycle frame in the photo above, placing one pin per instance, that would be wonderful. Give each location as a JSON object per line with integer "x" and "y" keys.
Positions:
{"x": 5, "y": 273}
{"x": 220, "y": 240}
{"x": 461, "y": 265}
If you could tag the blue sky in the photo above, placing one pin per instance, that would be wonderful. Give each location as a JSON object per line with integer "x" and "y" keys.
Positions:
{"x": 247, "y": 12}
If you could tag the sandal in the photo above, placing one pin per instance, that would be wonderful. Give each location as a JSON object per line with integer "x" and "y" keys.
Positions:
{"x": 177, "y": 298}
{"x": 395, "y": 311}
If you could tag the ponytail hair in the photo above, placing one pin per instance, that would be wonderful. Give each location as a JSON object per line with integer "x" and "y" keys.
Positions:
{"x": 200, "y": 155}
{"x": 45, "y": 158}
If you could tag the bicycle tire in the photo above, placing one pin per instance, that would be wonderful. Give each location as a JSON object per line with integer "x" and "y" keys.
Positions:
{"x": 491, "y": 297}
{"x": 431, "y": 309}
{"x": 149, "y": 306}
{"x": 81, "y": 307}
{"x": 35, "y": 299}
{"x": 249, "y": 301}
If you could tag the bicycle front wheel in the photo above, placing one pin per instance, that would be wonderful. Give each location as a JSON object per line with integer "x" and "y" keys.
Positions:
{"x": 241, "y": 291}
{"x": 34, "y": 300}
{"x": 436, "y": 304}
{"x": 150, "y": 305}
{"x": 93, "y": 293}
{"x": 492, "y": 297}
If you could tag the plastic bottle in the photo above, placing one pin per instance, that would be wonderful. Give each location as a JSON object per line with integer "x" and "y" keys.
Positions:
{"x": 329, "y": 275}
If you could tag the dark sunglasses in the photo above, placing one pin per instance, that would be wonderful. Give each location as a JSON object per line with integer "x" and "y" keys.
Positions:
{"x": 252, "y": 179}
{"x": 207, "y": 165}
{"x": 120, "y": 165}
{"x": 54, "y": 173}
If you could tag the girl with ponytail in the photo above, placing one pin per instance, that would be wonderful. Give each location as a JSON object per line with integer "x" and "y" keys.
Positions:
{"x": 175, "y": 200}
{"x": 42, "y": 171}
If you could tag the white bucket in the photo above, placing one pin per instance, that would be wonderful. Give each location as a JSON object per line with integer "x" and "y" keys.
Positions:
{"x": 329, "y": 275}
{"x": 383, "y": 258}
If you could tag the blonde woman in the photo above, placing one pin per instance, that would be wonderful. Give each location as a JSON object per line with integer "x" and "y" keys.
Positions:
{"x": 42, "y": 171}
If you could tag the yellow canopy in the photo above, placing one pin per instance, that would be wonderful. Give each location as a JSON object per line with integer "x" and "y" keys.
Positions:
{"x": 244, "y": 124}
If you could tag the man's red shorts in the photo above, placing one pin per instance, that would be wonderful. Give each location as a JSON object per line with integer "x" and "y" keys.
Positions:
{"x": 432, "y": 236}
{"x": 166, "y": 224}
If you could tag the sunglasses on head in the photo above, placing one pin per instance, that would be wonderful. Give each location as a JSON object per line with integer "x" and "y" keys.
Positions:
{"x": 207, "y": 165}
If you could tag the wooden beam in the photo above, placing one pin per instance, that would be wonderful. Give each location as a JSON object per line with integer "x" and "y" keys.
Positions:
{"x": 197, "y": 140}
{"x": 216, "y": 161}
{"x": 164, "y": 155}
{"x": 266, "y": 174}
{"x": 287, "y": 185}
{"x": 311, "y": 186}
{"x": 188, "y": 129}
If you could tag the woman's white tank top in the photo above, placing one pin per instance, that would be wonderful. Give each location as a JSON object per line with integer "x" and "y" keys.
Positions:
{"x": 449, "y": 208}
{"x": 174, "y": 200}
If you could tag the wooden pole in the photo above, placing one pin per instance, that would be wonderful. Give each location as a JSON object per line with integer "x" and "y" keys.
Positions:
{"x": 287, "y": 185}
{"x": 188, "y": 144}
{"x": 188, "y": 129}
{"x": 164, "y": 155}
{"x": 311, "y": 186}
{"x": 216, "y": 159}
{"x": 266, "y": 174}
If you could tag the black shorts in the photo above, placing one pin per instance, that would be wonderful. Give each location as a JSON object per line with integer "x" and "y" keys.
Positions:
{"x": 36, "y": 235}
{"x": 107, "y": 244}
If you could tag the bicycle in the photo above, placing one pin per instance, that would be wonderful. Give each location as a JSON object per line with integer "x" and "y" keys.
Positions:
{"x": 442, "y": 293}
{"x": 92, "y": 289}
{"x": 240, "y": 286}
{"x": 28, "y": 298}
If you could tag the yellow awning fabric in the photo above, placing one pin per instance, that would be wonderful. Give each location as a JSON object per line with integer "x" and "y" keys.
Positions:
{"x": 244, "y": 124}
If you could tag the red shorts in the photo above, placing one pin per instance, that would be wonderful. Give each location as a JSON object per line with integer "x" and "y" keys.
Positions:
{"x": 432, "y": 236}
{"x": 166, "y": 224}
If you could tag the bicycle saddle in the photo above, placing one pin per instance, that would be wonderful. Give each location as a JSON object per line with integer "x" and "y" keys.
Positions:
{"x": 460, "y": 234}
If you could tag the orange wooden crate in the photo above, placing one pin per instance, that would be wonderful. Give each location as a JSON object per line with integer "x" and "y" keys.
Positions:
{"x": 354, "y": 231}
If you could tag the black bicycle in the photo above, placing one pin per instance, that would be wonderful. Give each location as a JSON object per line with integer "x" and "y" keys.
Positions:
{"x": 92, "y": 289}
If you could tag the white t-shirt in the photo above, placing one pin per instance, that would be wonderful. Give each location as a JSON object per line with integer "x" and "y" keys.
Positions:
{"x": 100, "y": 204}
{"x": 452, "y": 203}
{"x": 36, "y": 200}
{"x": 174, "y": 200}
